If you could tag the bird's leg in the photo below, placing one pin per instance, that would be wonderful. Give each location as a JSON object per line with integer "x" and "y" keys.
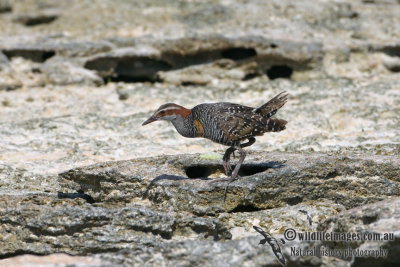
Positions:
{"x": 239, "y": 163}
{"x": 226, "y": 159}
{"x": 237, "y": 167}
{"x": 226, "y": 163}
{"x": 251, "y": 141}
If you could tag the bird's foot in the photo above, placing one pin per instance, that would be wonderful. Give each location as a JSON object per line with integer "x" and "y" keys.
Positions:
{"x": 230, "y": 180}
{"x": 219, "y": 180}
{"x": 224, "y": 179}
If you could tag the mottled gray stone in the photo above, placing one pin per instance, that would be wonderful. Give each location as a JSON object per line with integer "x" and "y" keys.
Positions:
{"x": 40, "y": 17}
{"x": 132, "y": 63}
{"x": 392, "y": 63}
{"x": 56, "y": 260}
{"x": 380, "y": 218}
{"x": 3, "y": 61}
{"x": 153, "y": 59}
{"x": 341, "y": 143}
{"x": 5, "y": 6}
{"x": 40, "y": 224}
{"x": 60, "y": 71}
{"x": 244, "y": 252}
{"x": 43, "y": 48}
{"x": 282, "y": 178}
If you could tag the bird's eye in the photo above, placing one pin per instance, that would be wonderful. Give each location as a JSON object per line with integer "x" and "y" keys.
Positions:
{"x": 162, "y": 112}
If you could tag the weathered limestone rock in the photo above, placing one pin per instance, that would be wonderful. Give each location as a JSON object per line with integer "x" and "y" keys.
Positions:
{"x": 55, "y": 260}
{"x": 244, "y": 252}
{"x": 268, "y": 181}
{"x": 392, "y": 63}
{"x": 3, "y": 61}
{"x": 41, "y": 17}
{"x": 63, "y": 72}
{"x": 147, "y": 59}
{"x": 75, "y": 86}
{"x": 379, "y": 218}
{"x": 44, "y": 224}
{"x": 41, "y": 48}
{"x": 5, "y": 6}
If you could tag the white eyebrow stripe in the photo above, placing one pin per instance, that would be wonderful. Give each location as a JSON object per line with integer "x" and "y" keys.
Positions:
{"x": 169, "y": 108}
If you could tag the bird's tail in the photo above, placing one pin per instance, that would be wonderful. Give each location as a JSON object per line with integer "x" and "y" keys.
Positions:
{"x": 276, "y": 125}
{"x": 271, "y": 107}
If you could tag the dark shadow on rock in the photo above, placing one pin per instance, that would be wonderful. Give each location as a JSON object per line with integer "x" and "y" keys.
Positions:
{"x": 245, "y": 208}
{"x": 168, "y": 177}
{"x": 251, "y": 169}
{"x": 146, "y": 60}
{"x": 204, "y": 171}
{"x": 275, "y": 164}
{"x": 86, "y": 197}
{"x": 34, "y": 19}
{"x": 34, "y": 54}
{"x": 20, "y": 252}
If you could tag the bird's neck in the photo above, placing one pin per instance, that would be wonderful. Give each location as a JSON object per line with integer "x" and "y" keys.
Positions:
{"x": 185, "y": 126}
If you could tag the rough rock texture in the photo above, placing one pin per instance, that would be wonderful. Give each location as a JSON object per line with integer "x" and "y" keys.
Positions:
{"x": 381, "y": 217}
{"x": 5, "y": 6}
{"x": 79, "y": 175}
{"x": 267, "y": 182}
{"x": 62, "y": 72}
{"x": 392, "y": 63}
{"x": 55, "y": 260}
{"x": 3, "y": 60}
{"x": 144, "y": 61}
{"x": 46, "y": 224}
{"x": 33, "y": 19}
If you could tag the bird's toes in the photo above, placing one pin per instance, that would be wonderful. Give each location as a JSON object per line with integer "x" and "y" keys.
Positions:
{"x": 233, "y": 178}
{"x": 219, "y": 180}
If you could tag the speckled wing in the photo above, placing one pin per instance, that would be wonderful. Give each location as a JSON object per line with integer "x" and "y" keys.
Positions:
{"x": 239, "y": 122}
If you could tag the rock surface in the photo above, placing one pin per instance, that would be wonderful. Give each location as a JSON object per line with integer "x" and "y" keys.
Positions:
{"x": 268, "y": 181}
{"x": 379, "y": 218}
{"x": 149, "y": 57}
{"x": 5, "y": 6}
{"x": 55, "y": 260}
{"x": 33, "y": 19}
{"x": 83, "y": 184}
{"x": 46, "y": 224}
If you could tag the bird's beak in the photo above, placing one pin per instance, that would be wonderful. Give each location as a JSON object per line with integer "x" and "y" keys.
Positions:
{"x": 149, "y": 120}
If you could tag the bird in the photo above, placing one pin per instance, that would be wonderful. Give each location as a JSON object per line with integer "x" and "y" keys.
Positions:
{"x": 224, "y": 123}
{"x": 273, "y": 242}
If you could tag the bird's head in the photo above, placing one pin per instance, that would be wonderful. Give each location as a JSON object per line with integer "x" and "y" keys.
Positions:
{"x": 168, "y": 112}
